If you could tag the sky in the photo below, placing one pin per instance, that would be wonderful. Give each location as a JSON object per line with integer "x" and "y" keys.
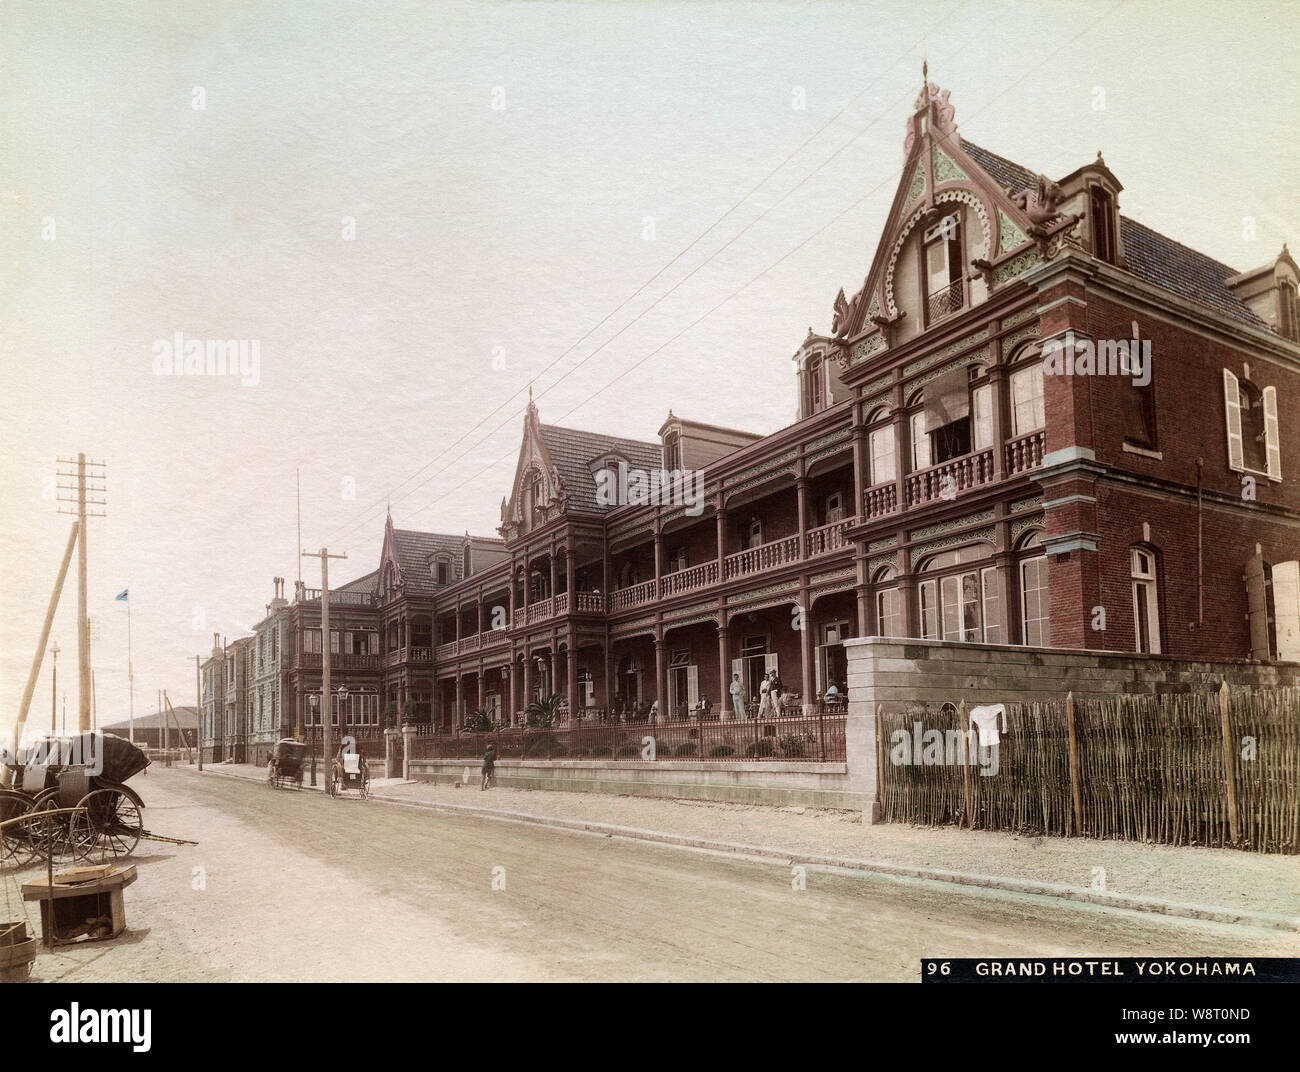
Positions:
{"x": 416, "y": 210}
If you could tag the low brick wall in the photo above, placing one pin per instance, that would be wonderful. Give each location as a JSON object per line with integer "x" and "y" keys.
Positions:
{"x": 810, "y": 785}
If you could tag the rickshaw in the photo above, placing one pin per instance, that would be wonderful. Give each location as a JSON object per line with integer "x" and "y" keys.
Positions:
{"x": 85, "y": 773}
{"x": 286, "y": 763}
{"x": 351, "y": 772}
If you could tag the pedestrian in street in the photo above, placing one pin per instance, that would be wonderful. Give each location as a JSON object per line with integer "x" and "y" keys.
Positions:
{"x": 737, "y": 696}
{"x": 489, "y": 767}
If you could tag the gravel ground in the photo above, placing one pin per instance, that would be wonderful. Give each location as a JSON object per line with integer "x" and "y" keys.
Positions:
{"x": 1221, "y": 878}
{"x": 289, "y": 886}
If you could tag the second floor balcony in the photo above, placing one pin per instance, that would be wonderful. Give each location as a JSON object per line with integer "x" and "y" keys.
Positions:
{"x": 949, "y": 478}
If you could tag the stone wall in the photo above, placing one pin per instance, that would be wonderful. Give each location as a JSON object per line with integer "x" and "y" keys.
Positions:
{"x": 810, "y": 785}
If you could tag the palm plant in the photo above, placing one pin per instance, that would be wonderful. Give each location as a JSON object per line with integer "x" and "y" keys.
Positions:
{"x": 543, "y": 712}
{"x": 479, "y": 721}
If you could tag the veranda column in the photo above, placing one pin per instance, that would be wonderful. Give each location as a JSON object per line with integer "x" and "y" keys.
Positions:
{"x": 724, "y": 671}
{"x": 553, "y": 572}
{"x": 660, "y": 677}
{"x": 609, "y": 678}
{"x": 527, "y": 697}
{"x": 801, "y": 497}
{"x": 459, "y": 714}
{"x": 570, "y": 575}
{"x": 554, "y": 683}
{"x": 721, "y": 518}
{"x": 1001, "y": 426}
{"x": 806, "y": 654}
{"x": 572, "y": 661}
{"x": 514, "y": 689}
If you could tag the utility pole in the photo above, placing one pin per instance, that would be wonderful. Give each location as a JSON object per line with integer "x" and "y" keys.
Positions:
{"x": 198, "y": 699}
{"x": 93, "y": 483}
{"x": 327, "y": 698}
{"x": 34, "y": 675}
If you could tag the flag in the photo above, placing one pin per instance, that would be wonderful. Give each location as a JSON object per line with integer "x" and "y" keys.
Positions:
{"x": 122, "y": 595}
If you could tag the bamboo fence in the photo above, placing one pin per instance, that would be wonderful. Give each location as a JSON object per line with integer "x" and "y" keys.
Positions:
{"x": 1216, "y": 769}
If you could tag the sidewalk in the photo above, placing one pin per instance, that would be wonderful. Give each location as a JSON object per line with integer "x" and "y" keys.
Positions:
{"x": 1218, "y": 884}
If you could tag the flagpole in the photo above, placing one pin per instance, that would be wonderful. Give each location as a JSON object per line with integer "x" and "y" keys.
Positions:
{"x": 130, "y": 668}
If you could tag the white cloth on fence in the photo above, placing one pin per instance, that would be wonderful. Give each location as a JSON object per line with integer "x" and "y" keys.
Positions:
{"x": 985, "y": 720}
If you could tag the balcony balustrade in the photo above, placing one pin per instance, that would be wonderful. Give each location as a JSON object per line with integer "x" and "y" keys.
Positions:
{"x": 634, "y": 596}
{"x": 880, "y": 501}
{"x": 944, "y": 302}
{"x": 690, "y": 579}
{"x": 1026, "y": 452}
{"x": 942, "y": 481}
{"x": 827, "y": 538}
{"x": 311, "y": 660}
{"x": 759, "y": 559}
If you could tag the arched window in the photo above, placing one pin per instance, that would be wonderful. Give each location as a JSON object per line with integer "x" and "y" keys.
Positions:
{"x": 816, "y": 385}
{"x": 1146, "y": 600}
{"x": 1026, "y": 384}
{"x": 962, "y": 603}
{"x": 880, "y": 447}
{"x": 1101, "y": 207}
{"x": 889, "y": 603}
{"x": 1035, "y": 602}
{"x": 672, "y": 451}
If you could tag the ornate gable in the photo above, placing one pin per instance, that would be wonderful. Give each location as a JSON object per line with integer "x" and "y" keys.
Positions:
{"x": 953, "y": 236}
{"x": 538, "y": 493}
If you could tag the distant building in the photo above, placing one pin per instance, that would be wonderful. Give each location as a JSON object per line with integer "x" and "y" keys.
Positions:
{"x": 149, "y": 728}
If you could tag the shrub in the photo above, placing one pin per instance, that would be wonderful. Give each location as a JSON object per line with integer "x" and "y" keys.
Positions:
{"x": 762, "y": 748}
{"x": 628, "y": 751}
{"x": 792, "y": 745}
{"x": 687, "y": 749}
{"x": 721, "y": 750}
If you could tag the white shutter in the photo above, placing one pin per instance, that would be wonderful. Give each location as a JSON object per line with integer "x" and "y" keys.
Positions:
{"x": 1232, "y": 410}
{"x": 1271, "y": 434}
{"x": 692, "y": 686}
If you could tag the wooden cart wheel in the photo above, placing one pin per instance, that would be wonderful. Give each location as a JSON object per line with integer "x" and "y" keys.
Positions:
{"x": 15, "y": 840}
{"x": 110, "y": 820}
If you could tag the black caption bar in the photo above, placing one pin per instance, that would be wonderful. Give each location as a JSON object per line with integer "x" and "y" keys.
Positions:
{"x": 1111, "y": 970}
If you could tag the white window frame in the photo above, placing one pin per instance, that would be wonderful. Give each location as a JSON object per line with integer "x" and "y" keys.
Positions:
{"x": 881, "y": 460}
{"x": 1043, "y": 619}
{"x": 1033, "y": 403}
{"x": 1146, "y": 596}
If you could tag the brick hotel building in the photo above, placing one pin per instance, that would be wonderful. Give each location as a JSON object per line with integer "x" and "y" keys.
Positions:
{"x": 936, "y": 484}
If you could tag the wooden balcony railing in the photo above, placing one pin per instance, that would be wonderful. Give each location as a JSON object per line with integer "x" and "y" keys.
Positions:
{"x": 880, "y": 500}
{"x": 1026, "y": 452}
{"x": 689, "y": 579}
{"x": 634, "y": 596}
{"x": 764, "y": 557}
{"x": 589, "y": 603}
{"x": 944, "y": 481}
{"x": 310, "y": 660}
{"x": 827, "y": 537}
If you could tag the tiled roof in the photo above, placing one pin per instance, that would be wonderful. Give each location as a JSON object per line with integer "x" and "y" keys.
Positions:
{"x": 1007, "y": 172}
{"x": 368, "y": 583}
{"x": 1151, "y": 256}
{"x": 414, "y": 552}
{"x": 1148, "y": 254}
{"x": 572, "y": 452}
{"x": 188, "y": 717}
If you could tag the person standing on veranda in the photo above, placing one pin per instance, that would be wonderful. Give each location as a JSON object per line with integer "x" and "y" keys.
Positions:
{"x": 737, "y": 696}
{"x": 766, "y": 702}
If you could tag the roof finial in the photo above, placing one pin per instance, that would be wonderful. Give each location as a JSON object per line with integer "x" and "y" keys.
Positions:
{"x": 925, "y": 72}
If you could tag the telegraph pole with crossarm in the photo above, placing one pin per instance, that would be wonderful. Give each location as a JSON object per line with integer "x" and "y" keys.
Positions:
{"x": 327, "y": 699}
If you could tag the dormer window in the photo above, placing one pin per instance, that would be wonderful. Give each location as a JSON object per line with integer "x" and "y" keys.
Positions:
{"x": 943, "y": 271}
{"x": 1101, "y": 207}
{"x": 672, "y": 451}
{"x": 816, "y": 384}
{"x": 442, "y": 570}
{"x": 1288, "y": 325}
